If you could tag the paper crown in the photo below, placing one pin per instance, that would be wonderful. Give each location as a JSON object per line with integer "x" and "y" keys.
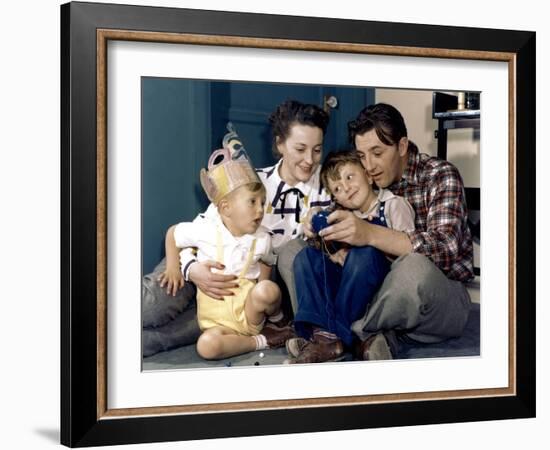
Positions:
{"x": 228, "y": 168}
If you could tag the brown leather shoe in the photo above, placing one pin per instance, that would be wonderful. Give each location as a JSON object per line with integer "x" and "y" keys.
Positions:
{"x": 284, "y": 322}
{"x": 318, "y": 351}
{"x": 295, "y": 346}
{"x": 277, "y": 336}
{"x": 374, "y": 348}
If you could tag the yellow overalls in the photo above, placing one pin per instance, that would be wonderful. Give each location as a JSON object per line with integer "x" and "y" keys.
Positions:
{"x": 228, "y": 312}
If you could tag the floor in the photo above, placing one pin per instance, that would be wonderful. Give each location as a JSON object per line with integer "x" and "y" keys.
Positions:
{"x": 467, "y": 345}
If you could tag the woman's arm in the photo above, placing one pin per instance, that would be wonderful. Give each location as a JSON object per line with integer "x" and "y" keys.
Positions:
{"x": 215, "y": 285}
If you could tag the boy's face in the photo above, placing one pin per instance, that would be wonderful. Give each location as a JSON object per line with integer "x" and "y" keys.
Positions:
{"x": 245, "y": 210}
{"x": 353, "y": 189}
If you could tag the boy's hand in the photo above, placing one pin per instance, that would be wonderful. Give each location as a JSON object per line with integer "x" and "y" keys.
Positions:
{"x": 339, "y": 257}
{"x": 215, "y": 285}
{"x": 172, "y": 279}
{"x": 308, "y": 229}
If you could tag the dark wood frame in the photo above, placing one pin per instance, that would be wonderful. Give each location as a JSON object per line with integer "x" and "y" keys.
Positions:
{"x": 85, "y": 417}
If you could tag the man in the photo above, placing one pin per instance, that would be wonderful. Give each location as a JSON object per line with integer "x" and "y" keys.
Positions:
{"x": 423, "y": 297}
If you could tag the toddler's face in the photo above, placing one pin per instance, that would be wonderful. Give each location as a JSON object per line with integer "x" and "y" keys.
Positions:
{"x": 353, "y": 189}
{"x": 246, "y": 210}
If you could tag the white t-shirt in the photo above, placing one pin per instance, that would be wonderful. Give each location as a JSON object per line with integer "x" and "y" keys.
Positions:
{"x": 398, "y": 212}
{"x": 202, "y": 235}
{"x": 286, "y": 206}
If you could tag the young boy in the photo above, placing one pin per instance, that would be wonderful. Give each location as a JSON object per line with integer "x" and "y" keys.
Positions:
{"x": 333, "y": 291}
{"x": 233, "y": 237}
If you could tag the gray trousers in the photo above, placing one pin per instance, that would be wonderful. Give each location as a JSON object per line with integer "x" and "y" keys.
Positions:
{"x": 285, "y": 260}
{"x": 418, "y": 301}
{"x": 168, "y": 321}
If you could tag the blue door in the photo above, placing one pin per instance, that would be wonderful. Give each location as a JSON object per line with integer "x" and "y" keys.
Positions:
{"x": 184, "y": 120}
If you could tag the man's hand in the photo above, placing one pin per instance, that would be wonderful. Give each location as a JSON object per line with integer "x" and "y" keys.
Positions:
{"x": 347, "y": 227}
{"x": 172, "y": 279}
{"x": 339, "y": 257}
{"x": 308, "y": 229}
{"x": 215, "y": 285}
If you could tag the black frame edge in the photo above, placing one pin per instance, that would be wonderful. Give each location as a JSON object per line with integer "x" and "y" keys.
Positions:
{"x": 525, "y": 226}
{"x": 65, "y": 371}
{"x": 79, "y": 425}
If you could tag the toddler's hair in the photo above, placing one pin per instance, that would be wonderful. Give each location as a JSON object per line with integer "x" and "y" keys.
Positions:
{"x": 334, "y": 162}
{"x": 254, "y": 187}
{"x": 251, "y": 187}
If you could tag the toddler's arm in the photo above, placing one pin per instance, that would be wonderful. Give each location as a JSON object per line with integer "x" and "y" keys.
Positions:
{"x": 171, "y": 277}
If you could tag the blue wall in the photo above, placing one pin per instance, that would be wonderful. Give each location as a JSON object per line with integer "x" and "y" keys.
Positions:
{"x": 184, "y": 120}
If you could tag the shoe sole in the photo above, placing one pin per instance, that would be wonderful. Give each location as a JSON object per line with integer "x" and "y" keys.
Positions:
{"x": 342, "y": 357}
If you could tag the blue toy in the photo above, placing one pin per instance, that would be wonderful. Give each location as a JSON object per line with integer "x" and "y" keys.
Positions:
{"x": 319, "y": 220}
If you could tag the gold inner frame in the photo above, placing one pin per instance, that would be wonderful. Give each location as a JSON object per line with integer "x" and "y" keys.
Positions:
{"x": 103, "y": 36}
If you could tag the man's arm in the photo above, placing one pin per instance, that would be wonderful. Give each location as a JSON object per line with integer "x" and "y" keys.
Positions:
{"x": 347, "y": 227}
{"x": 443, "y": 237}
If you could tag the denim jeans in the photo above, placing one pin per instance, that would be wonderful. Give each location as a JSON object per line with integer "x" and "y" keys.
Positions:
{"x": 332, "y": 297}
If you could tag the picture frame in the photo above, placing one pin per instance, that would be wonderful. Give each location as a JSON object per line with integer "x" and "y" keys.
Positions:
{"x": 86, "y": 418}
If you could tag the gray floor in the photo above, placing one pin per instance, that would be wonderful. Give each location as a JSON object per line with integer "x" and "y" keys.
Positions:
{"x": 187, "y": 357}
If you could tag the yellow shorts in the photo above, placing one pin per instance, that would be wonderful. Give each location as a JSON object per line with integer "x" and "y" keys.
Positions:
{"x": 228, "y": 312}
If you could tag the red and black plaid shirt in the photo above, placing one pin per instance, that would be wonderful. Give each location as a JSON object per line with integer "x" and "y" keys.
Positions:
{"x": 435, "y": 190}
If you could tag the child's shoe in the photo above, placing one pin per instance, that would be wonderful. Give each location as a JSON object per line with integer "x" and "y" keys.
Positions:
{"x": 319, "y": 349}
{"x": 277, "y": 336}
{"x": 295, "y": 346}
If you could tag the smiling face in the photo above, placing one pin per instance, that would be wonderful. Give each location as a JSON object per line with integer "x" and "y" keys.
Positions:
{"x": 242, "y": 211}
{"x": 301, "y": 152}
{"x": 353, "y": 188}
{"x": 384, "y": 163}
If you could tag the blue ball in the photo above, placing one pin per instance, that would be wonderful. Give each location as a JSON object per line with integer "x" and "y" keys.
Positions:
{"x": 319, "y": 220}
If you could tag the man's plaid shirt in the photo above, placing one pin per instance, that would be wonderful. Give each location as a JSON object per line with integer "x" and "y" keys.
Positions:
{"x": 435, "y": 190}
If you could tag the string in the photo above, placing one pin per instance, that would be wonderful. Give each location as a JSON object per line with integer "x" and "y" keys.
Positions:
{"x": 327, "y": 299}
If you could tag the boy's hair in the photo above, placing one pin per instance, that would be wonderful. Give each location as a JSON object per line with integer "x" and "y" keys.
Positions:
{"x": 385, "y": 119}
{"x": 334, "y": 162}
{"x": 293, "y": 112}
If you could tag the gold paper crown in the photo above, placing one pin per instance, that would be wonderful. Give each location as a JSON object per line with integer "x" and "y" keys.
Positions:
{"x": 228, "y": 168}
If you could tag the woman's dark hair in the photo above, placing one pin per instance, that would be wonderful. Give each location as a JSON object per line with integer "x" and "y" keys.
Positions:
{"x": 293, "y": 112}
{"x": 385, "y": 119}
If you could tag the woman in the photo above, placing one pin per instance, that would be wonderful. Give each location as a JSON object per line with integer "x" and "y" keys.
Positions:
{"x": 293, "y": 187}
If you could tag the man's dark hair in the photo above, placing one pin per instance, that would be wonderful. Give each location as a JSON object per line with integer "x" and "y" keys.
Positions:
{"x": 293, "y": 112}
{"x": 386, "y": 120}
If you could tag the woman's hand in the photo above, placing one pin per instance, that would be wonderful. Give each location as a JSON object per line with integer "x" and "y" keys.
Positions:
{"x": 215, "y": 285}
{"x": 308, "y": 229}
{"x": 339, "y": 257}
{"x": 347, "y": 227}
{"x": 172, "y": 279}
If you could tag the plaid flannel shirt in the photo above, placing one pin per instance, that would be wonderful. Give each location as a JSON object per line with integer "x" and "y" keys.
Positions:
{"x": 435, "y": 190}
